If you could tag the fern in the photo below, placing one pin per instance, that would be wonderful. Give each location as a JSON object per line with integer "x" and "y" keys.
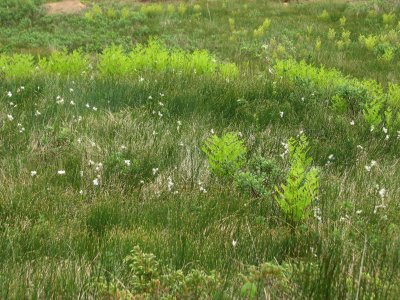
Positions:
{"x": 296, "y": 196}
{"x": 371, "y": 112}
{"x": 226, "y": 154}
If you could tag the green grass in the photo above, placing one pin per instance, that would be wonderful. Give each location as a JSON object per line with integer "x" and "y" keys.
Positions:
{"x": 135, "y": 175}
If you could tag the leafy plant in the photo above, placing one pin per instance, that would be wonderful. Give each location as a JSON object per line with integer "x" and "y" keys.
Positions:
{"x": 267, "y": 279}
{"x": 149, "y": 279}
{"x": 225, "y": 154}
{"x": 260, "y": 31}
{"x": 64, "y": 64}
{"x": 297, "y": 195}
{"x": 372, "y": 112}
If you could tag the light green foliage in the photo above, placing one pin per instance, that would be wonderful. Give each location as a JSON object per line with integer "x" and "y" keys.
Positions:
{"x": 113, "y": 62}
{"x": 387, "y": 55}
{"x": 392, "y": 120}
{"x": 229, "y": 71}
{"x": 260, "y": 31}
{"x": 318, "y": 44}
{"x": 342, "y": 21}
{"x": 170, "y": 9}
{"x": 372, "y": 112}
{"x": 301, "y": 189}
{"x": 389, "y": 18}
{"x": 346, "y": 37}
{"x": 64, "y": 64}
{"x": 232, "y": 24}
{"x": 153, "y": 9}
{"x": 16, "y": 66}
{"x": 339, "y": 104}
{"x": 182, "y": 8}
{"x": 324, "y": 16}
{"x": 394, "y": 96}
{"x": 202, "y": 62}
{"x": 370, "y": 42}
{"x": 331, "y": 34}
{"x": 226, "y": 155}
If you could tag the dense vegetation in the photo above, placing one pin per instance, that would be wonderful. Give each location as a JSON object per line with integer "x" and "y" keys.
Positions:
{"x": 215, "y": 149}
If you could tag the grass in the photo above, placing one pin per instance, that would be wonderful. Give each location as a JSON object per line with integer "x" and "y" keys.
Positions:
{"x": 135, "y": 175}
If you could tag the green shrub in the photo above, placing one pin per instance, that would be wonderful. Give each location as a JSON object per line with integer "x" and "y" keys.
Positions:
{"x": 113, "y": 62}
{"x": 259, "y": 178}
{"x": 149, "y": 279}
{"x": 64, "y": 64}
{"x": 13, "y": 11}
{"x": 17, "y": 66}
{"x": 372, "y": 112}
{"x": 226, "y": 154}
{"x": 297, "y": 195}
{"x": 270, "y": 275}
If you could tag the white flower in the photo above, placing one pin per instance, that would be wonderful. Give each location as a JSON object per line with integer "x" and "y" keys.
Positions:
{"x": 234, "y": 243}
{"x": 72, "y": 102}
{"x": 94, "y": 108}
{"x": 358, "y": 211}
{"x": 141, "y": 79}
{"x": 155, "y": 170}
{"x": 10, "y": 117}
{"x": 203, "y": 190}
{"x": 352, "y": 122}
{"x": 9, "y": 94}
{"x": 360, "y": 147}
{"x": 61, "y": 172}
{"x": 281, "y": 114}
{"x": 81, "y": 173}
{"x": 160, "y": 114}
{"x": 387, "y": 137}
{"x": 81, "y": 192}
{"x": 127, "y": 162}
{"x": 95, "y": 181}
{"x": 382, "y": 192}
{"x": 150, "y": 97}
{"x": 331, "y": 157}
{"x": 33, "y": 173}
{"x": 87, "y": 105}
{"x": 161, "y": 95}
{"x": 37, "y": 113}
{"x": 212, "y": 131}
{"x": 372, "y": 128}
{"x": 367, "y": 168}
{"x": 170, "y": 184}
{"x": 384, "y": 129}
{"x": 373, "y": 163}
{"x": 71, "y": 90}
{"x": 160, "y": 103}
{"x": 179, "y": 123}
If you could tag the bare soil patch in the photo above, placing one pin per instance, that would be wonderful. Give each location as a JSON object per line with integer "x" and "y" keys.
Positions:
{"x": 64, "y": 7}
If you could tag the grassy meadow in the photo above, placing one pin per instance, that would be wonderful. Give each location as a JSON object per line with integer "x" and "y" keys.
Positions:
{"x": 200, "y": 150}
